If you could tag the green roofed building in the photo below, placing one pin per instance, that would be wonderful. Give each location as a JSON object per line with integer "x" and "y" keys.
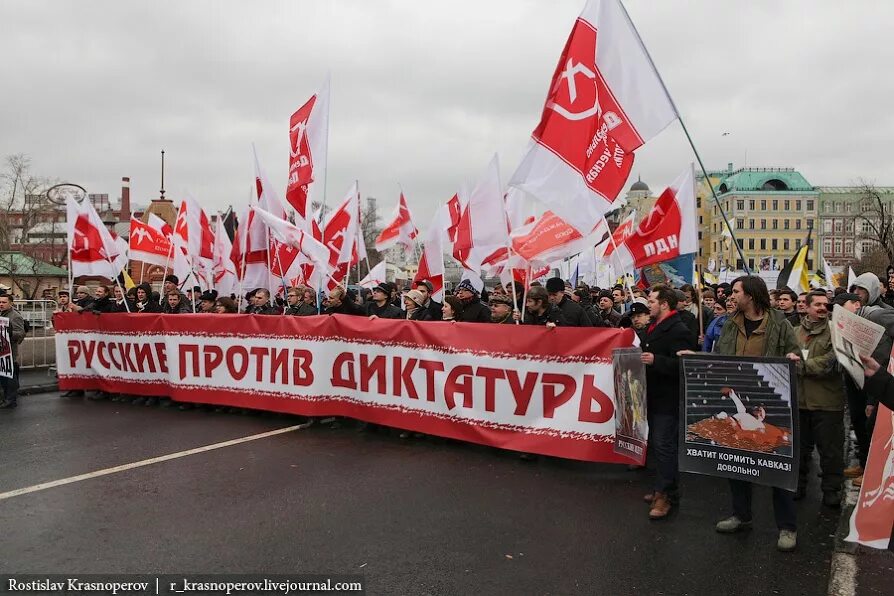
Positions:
{"x": 28, "y": 278}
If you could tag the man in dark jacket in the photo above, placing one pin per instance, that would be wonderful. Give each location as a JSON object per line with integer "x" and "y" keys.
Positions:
{"x": 501, "y": 308}
{"x": 666, "y": 336}
{"x": 83, "y": 299}
{"x": 474, "y": 311}
{"x": 16, "y": 330}
{"x": 608, "y": 316}
{"x": 297, "y": 307}
{"x": 145, "y": 303}
{"x": 102, "y": 300}
{"x": 338, "y": 303}
{"x": 434, "y": 308}
{"x": 571, "y": 310}
{"x": 379, "y": 307}
{"x": 540, "y": 311}
{"x": 260, "y": 304}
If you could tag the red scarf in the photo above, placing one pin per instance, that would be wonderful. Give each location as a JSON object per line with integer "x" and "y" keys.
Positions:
{"x": 655, "y": 324}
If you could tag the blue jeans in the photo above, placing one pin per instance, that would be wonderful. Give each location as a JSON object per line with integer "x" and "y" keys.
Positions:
{"x": 663, "y": 436}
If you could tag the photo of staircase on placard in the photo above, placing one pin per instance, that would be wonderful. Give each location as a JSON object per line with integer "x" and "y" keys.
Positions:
{"x": 738, "y": 404}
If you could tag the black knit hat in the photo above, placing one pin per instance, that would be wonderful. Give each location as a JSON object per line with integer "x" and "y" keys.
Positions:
{"x": 555, "y": 284}
{"x": 173, "y": 279}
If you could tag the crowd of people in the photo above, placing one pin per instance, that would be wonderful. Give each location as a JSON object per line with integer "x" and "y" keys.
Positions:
{"x": 742, "y": 318}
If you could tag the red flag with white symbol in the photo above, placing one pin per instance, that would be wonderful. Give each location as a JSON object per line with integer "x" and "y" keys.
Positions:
{"x": 667, "y": 231}
{"x": 605, "y": 100}
{"x": 92, "y": 248}
{"x": 308, "y": 140}
{"x": 148, "y": 244}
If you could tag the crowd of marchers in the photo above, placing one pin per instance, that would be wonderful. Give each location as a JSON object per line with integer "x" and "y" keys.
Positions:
{"x": 742, "y": 318}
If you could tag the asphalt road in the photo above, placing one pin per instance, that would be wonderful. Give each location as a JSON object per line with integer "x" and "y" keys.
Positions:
{"x": 413, "y": 517}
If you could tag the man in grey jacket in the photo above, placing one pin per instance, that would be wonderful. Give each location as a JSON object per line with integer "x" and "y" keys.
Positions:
{"x": 9, "y": 385}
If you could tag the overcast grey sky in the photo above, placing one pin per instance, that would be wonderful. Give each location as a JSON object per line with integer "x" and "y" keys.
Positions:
{"x": 423, "y": 93}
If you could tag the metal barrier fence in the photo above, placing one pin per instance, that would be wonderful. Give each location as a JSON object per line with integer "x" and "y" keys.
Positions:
{"x": 39, "y": 348}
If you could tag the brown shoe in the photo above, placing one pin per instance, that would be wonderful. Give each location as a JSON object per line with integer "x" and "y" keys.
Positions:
{"x": 661, "y": 506}
{"x": 853, "y": 471}
{"x": 649, "y": 498}
{"x": 858, "y": 481}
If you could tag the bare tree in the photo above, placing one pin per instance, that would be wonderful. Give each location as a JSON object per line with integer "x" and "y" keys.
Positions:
{"x": 875, "y": 220}
{"x": 29, "y": 224}
{"x": 875, "y": 261}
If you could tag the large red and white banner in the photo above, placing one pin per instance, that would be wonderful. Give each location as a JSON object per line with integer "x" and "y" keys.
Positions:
{"x": 531, "y": 389}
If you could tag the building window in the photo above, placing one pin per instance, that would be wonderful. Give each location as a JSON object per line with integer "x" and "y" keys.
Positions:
{"x": 827, "y": 246}
{"x": 810, "y": 222}
{"x": 740, "y": 263}
{"x": 751, "y": 263}
{"x": 785, "y": 224}
{"x": 763, "y": 244}
{"x": 849, "y": 226}
{"x": 810, "y": 204}
{"x": 785, "y": 244}
{"x": 775, "y": 224}
{"x": 751, "y": 244}
{"x": 798, "y": 205}
{"x": 775, "y": 205}
{"x": 751, "y": 205}
{"x": 699, "y": 237}
{"x": 700, "y": 220}
{"x": 866, "y": 246}
{"x": 763, "y": 205}
{"x": 763, "y": 224}
{"x": 865, "y": 206}
{"x": 750, "y": 224}
{"x": 837, "y": 226}
{"x": 849, "y": 248}
{"x": 787, "y": 205}
{"x": 740, "y": 205}
{"x": 740, "y": 243}
{"x": 865, "y": 227}
{"x": 797, "y": 224}
{"x": 774, "y": 244}
{"x": 838, "y": 247}
{"x": 827, "y": 226}
{"x": 740, "y": 224}
{"x": 810, "y": 264}
{"x": 698, "y": 202}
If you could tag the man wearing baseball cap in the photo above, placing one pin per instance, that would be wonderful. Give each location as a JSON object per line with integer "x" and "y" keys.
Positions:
{"x": 425, "y": 287}
{"x": 501, "y": 308}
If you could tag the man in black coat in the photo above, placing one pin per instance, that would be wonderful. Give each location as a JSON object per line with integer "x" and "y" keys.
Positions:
{"x": 434, "y": 308}
{"x": 540, "y": 311}
{"x": 339, "y": 303}
{"x": 666, "y": 336}
{"x": 690, "y": 321}
{"x": 297, "y": 307}
{"x": 102, "y": 300}
{"x": 474, "y": 311}
{"x": 380, "y": 307}
{"x": 575, "y": 316}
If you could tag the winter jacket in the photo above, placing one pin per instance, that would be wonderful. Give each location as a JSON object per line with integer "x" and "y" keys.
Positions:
{"x": 303, "y": 309}
{"x": 85, "y": 303}
{"x": 418, "y": 314}
{"x": 434, "y": 309}
{"x": 664, "y": 339}
{"x": 16, "y": 330}
{"x": 181, "y": 309}
{"x": 388, "y": 311}
{"x": 347, "y": 307}
{"x": 612, "y": 318}
{"x": 870, "y": 282}
{"x": 475, "y": 312}
{"x": 574, "y": 314}
{"x": 880, "y": 388}
{"x": 688, "y": 319}
{"x": 712, "y": 334}
{"x": 104, "y": 305}
{"x": 264, "y": 309}
{"x": 150, "y": 306}
{"x": 773, "y": 338}
{"x": 550, "y": 315}
{"x": 819, "y": 382}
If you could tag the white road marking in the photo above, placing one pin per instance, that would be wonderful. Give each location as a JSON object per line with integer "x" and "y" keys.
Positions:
{"x": 843, "y": 578}
{"x": 146, "y": 462}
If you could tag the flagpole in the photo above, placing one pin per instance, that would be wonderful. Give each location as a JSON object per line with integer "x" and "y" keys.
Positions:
{"x": 611, "y": 238}
{"x": 243, "y": 241}
{"x": 688, "y": 138}
{"x": 167, "y": 264}
{"x": 525, "y": 293}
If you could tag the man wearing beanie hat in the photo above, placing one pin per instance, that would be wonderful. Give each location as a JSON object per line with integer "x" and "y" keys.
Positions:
{"x": 379, "y": 305}
{"x": 83, "y": 300}
{"x": 574, "y": 314}
{"x": 413, "y": 302}
{"x": 474, "y": 311}
{"x": 434, "y": 308}
{"x": 608, "y": 316}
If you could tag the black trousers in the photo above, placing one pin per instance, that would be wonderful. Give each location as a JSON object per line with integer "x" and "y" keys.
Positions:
{"x": 10, "y": 386}
{"x": 856, "y": 406}
{"x": 825, "y": 432}
{"x": 663, "y": 434}
{"x": 783, "y": 504}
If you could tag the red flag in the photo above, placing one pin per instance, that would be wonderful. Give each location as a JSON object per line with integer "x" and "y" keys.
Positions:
{"x": 605, "y": 100}
{"x": 400, "y": 230}
{"x": 669, "y": 229}
{"x": 148, "y": 244}
{"x": 308, "y": 138}
{"x": 92, "y": 248}
{"x": 621, "y": 233}
{"x": 873, "y": 514}
{"x": 431, "y": 262}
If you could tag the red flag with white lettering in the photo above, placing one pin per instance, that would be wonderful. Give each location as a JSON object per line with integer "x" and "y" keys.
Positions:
{"x": 668, "y": 230}
{"x": 605, "y": 100}
{"x": 148, "y": 244}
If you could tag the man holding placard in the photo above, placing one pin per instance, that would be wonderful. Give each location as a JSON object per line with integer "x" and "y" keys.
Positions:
{"x": 820, "y": 400}
{"x": 12, "y": 333}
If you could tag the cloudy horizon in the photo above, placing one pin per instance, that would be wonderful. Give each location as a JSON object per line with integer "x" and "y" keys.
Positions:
{"x": 422, "y": 95}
